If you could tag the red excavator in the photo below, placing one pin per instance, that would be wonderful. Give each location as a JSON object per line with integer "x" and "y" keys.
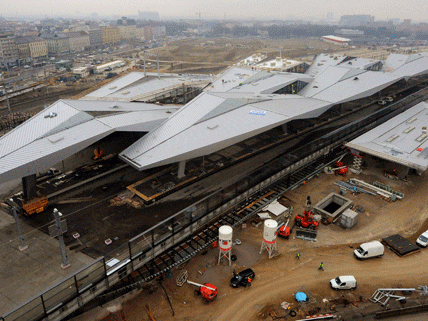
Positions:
{"x": 306, "y": 220}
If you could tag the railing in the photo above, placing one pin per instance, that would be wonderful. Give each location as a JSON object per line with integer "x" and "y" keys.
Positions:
{"x": 72, "y": 293}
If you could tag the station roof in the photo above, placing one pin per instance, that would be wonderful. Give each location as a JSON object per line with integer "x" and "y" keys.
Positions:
{"x": 406, "y": 65}
{"x": 135, "y": 86}
{"x": 252, "y": 60}
{"x": 323, "y": 61}
{"x": 401, "y": 139}
{"x": 240, "y": 103}
{"x": 68, "y": 126}
{"x": 338, "y": 84}
{"x": 278, "y": 64}
{"x": 218, "y": 120}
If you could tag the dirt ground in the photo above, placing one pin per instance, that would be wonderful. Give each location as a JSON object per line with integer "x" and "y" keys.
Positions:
{"x": 212, "y": 55}
{"x": 277, "y": 279}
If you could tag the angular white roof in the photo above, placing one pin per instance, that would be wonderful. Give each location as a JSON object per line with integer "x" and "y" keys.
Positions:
{"x": 339, "y": 84}
{"x": 68, "y": 126}
{"x": 407, "y": 66}
{"x": 322, "y": 61}
{"x": 212, "y": 123}
{"x": 240, "y": 104}
{"x": 401, "y": 139}
{"x": 135, "y": 86}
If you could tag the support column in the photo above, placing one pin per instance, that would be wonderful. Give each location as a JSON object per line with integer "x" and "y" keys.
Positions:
{"x": 181, "y": 169}
{"x": 284, "y": 129}
{"x": 29, "y": 186}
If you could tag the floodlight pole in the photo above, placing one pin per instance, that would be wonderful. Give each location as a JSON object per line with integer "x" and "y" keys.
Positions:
{"x": 5, "y": 89}
{"x": 22, "y": 247}
{"x": 144, "y": 59}
{"x": 65, "y": 264}
{"x": 157, "y": 58}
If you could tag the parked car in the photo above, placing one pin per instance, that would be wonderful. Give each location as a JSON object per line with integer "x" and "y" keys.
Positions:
{"x": 344, "y": 282}
{"x": 423, "y": 239}
{"x": 241, "y": 279}
{"x": 369, "y": 250}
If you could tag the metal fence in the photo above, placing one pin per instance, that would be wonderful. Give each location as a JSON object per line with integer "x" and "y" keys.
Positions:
{"x": 67, "y": 296}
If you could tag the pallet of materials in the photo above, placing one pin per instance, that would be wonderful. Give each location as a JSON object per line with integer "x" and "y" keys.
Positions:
{"x": 399, "y": 245}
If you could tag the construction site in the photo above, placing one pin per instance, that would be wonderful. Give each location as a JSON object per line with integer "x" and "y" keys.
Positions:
{"x": 244, "y": 190}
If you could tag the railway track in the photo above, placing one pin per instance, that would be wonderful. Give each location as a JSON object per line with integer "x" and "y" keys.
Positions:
{"x": 36, "y": 101}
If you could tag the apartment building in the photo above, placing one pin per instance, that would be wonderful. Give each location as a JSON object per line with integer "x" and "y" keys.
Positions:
{"x": 78, "y": 41}
{"x": 110, "y": 35}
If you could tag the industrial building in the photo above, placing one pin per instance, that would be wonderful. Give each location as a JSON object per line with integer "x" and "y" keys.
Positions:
{"x": 336, "y": 40}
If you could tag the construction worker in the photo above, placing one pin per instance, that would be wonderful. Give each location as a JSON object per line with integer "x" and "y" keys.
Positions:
{"x": 298, "y": 255}
{"x": 321, "y": 267}
{"x": 249, "y": 281}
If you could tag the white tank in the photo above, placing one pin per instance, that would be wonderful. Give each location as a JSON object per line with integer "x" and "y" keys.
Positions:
{"x": 269, "y": 233}
{"x": 225, "y": 238}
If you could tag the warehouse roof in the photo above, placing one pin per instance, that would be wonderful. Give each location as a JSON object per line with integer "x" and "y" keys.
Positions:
{"x": 336, "y": 38}
{"x": 402, "y": 139}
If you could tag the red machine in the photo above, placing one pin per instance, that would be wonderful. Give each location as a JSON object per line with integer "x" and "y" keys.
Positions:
{"x": 306, "y": 220}
{"x": 340, "y": 169}
{"x": 207, "y": 290}
{"x": 284, "y": 230}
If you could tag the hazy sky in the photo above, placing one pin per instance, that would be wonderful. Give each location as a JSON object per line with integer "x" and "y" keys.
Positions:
{"x": 381, "y": 9}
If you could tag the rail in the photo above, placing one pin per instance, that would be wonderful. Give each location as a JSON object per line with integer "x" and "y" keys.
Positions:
{"x": 67, "y": 296}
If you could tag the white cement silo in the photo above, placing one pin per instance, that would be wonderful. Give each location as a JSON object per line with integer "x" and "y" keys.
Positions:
{"x": 269, "y": 237}
{"x": 225, "y": 242}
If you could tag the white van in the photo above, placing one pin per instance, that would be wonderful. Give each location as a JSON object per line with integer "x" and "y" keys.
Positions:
{"x": 344, "y": 282}
{"x": 369, "y": 250}
{"x": 423, "y": 239}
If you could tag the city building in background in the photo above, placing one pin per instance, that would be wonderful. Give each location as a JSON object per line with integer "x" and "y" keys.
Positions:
{"x": 148, "y": 15}
{"x": 78, "y": 41}
{"x": 31, "y": 47}
{"x": 110, "y": 35}
{"x": 356, "y": 20}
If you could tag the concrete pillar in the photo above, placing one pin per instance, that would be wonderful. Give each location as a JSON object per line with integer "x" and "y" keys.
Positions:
{"x": 284, "y": 129}
{"x": 29, "y": 186}
{"x": 181, "y": 169}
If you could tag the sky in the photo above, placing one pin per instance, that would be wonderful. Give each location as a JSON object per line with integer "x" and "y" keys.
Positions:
{"x": 219, "y": 9}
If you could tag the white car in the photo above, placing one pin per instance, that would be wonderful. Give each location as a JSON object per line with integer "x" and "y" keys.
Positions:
{"x": 423, "y": 239}
{"x": 344, "y": 282}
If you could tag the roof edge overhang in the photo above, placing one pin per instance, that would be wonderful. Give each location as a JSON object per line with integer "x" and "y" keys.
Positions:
{"x": 384, "y": 156}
